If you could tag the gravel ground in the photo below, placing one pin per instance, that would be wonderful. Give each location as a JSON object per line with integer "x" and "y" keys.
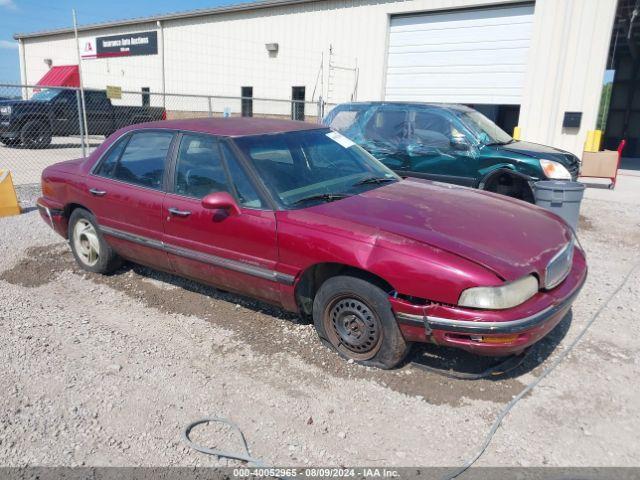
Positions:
{"x": 105, "y": 371}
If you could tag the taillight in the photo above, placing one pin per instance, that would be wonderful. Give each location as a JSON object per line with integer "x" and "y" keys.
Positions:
{"x": 164, "y": 115}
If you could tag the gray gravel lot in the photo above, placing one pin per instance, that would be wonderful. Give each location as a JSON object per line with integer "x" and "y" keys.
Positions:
{"x": 108, "y": 370}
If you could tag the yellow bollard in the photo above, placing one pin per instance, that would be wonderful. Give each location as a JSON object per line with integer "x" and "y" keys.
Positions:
{"x": 594, "y": 139}
{"x": 516, "y": 133}
{"x": 8, "y": 198}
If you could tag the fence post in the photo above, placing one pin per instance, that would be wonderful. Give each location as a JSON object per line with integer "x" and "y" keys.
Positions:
{"x": 81, "y": 123}
{"x": 210, "y": 107}
{"x": 320, "y": 109}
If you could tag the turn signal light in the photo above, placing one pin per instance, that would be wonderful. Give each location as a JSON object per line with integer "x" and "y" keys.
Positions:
{"x": 495, "y": 338}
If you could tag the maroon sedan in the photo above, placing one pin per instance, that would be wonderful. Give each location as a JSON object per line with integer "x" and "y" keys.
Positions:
{"x": 297, "y": 215}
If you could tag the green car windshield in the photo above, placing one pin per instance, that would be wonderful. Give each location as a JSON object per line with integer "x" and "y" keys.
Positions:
{"x": 485, "y": 131}
{"x": 307, "y": 167}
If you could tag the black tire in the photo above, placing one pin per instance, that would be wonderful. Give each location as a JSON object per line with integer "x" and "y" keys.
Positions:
{"x": 510, "y": 185}
{"x": 10, "y": 142}
{"x": 354, "y": 317}
{"x": 106, "y": 260}
{"x": 35, "y": 134}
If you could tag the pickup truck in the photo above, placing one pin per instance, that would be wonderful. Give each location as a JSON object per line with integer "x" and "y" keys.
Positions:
{"x": 54, "y": 112}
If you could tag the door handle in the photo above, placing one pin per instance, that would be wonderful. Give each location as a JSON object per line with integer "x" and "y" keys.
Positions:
{"x": 179, "y": 213}
{"x": 97, "y": 193}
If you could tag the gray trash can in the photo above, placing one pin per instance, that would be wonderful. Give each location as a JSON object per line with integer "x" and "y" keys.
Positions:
{"x": 561, "y": 197}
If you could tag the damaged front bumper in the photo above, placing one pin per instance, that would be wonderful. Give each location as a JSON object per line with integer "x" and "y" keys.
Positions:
{"x": 492, "y": 332}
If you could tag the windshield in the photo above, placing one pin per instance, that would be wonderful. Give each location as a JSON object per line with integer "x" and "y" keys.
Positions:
{"x": 485, "y": 131}
{"x": 45, "y": 95}
{"x": 312, "y": 166}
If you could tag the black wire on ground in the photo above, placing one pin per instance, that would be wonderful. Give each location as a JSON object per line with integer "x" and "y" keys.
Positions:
{"x": 510, "y": 363}
{"x": 495, "y": 370}
{"x": 545, "y": 372}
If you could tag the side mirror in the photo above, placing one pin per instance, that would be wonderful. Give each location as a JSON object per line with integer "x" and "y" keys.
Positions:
{"x": 460, "y": 143}
{"x": 221, "y": 201}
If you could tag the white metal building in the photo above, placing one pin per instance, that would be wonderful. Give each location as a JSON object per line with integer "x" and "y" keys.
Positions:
{"x": 535, "y": 60}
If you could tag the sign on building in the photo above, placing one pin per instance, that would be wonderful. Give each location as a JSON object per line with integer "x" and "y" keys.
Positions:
{"x": 113, "y": 92}
{"x": 124, "y": 45}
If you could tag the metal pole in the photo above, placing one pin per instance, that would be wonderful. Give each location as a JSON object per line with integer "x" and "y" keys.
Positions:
{"x": 80, "y": 123}
{"x": 210, "y": 107}
{"x": 23, "y": 69}
{"x": 164, "y": 84}
{"x": 85, "y": 138}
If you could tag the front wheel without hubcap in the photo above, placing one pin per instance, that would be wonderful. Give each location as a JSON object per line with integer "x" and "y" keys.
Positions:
{"x": 353, "y": 328}
{"x": 354, "y": 316}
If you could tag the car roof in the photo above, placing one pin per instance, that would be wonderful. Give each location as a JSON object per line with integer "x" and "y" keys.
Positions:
{"x": 448, "y": 106}
{"x": 230, "y": 127}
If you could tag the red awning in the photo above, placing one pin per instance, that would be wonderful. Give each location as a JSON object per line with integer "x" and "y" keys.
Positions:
{"x": 62, "y": 76}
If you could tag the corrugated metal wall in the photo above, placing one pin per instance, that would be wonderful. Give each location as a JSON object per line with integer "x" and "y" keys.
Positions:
{"x": 217, "y": 55}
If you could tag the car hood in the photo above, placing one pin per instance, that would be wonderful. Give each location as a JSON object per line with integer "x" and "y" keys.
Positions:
{"x": 535, "y": 150}
{"x": 507, "y": 236}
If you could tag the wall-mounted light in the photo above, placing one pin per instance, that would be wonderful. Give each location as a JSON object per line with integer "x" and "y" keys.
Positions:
{"x": 272, "y": 48}
{"x": 48, "y": 61}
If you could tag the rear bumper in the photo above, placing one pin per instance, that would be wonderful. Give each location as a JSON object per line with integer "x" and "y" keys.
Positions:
{"x": 502, "y": 332}
{"x": 53, "y": 215}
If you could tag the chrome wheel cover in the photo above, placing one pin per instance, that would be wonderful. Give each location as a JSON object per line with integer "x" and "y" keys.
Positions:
{"x": 86, "y": 242}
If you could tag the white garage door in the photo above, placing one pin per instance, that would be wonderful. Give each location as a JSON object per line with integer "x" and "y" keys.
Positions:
{"x": 471, "y": 56}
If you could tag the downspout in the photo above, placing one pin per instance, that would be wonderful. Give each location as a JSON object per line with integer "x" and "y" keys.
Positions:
{"x": 23, "y": 68}
{"x": 164, "y": 85}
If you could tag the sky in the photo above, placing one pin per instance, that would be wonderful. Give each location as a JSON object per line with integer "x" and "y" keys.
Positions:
{"x": 24, "y": 16}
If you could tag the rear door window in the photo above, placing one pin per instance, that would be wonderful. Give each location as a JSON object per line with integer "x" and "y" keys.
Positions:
{"x": 108, "y": 163}
{"x": 142, "y": 162}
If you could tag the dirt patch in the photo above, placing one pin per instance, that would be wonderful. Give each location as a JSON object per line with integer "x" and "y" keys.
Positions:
{"x": 269, "y": 330}
{"x": 40, "y": 266}
{"x": 585, "y": 224}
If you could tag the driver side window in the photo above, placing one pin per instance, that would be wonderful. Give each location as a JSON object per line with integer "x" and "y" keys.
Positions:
{"x": 199, "y": 169}
{"x": 433, "y": 130}
{"x": 387, "y": 126}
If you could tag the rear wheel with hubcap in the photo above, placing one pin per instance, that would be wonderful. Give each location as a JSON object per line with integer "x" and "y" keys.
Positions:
{"x": 89, "y": 247}
{"x": 354, "y": 316}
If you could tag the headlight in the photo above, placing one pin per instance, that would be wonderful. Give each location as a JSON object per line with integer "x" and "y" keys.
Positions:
{"x": 5, "y": 110}
{"x": 555, "y": 170}
{"x": 498, "y": 298}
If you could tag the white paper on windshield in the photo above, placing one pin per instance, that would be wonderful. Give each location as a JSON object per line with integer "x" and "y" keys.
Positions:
{"x": 340, "y": 139}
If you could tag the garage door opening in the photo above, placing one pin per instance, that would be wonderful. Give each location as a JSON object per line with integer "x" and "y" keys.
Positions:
{"x": 477, "y": 57}
{"x": 620, "y": 103}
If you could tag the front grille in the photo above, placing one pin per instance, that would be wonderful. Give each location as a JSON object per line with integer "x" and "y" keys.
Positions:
{"x": 559, "y": 267}
{"x": 574, "y": 166}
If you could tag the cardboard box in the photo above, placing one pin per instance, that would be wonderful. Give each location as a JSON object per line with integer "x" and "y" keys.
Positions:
{"x": 599, "y": 164}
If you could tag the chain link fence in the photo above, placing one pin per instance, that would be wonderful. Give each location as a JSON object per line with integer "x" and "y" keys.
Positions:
{"x": 41, "y": 126}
